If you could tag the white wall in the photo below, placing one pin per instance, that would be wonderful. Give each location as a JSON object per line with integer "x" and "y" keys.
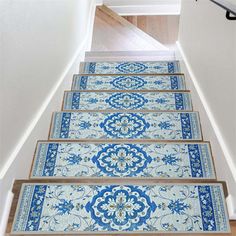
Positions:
{"x": 208, "y": 42}
{"x": 42, "y": 43}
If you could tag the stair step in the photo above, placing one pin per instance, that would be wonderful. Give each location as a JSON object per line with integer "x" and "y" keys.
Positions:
{"x": 163, "y": 101}
{"x": 59, "y": 208}
{"x": 129, "y": 82}
{"x": 112, "y": 125}
{"x": 123, "y": 160}
{"x": 129, "y": 55}
{"x": 147, "y": 67}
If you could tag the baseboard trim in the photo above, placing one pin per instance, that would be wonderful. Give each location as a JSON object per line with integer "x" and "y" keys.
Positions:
{"x": 218, "y": 134}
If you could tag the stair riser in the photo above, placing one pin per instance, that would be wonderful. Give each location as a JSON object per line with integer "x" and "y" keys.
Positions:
{"x": 128, "y": 82}
{"x": 161, "y": 67}
{"x": 152, "y": 205}
{"x": 129, "y": 56}
{"x": 126, "y": 101}
{"x": 107, "y": 126}
{"x": 129, "y": 160}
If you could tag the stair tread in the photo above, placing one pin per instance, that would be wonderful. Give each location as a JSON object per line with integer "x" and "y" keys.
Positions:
{"x": 129, "y": 55}
{"x": 122, "y": 160}
{"x": 128, "y": 82}
{"x": 126, "y": 125}
{"x": 165, "y": 101}
{"x": 145, "y": 67}
{"x": 109, "y": 208}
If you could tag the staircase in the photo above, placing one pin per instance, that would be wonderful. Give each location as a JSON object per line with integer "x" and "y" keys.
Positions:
{"x": 124, "y": 156}
{"x": 111, "y": 32}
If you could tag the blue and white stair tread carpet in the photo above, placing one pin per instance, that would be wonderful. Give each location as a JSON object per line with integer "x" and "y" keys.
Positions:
{"x": 146, "y": 67}
{"x": 128, "y": 82}
{"x": 122, "y": 160}
{"x": 113, "y": 125}
{"x": 163, "y": 101}
{"x": 73, "y": 208}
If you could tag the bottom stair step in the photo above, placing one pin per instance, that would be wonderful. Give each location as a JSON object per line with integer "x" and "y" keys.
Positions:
{"x": 123, "y": 160}
{"x": 58, "y": 208}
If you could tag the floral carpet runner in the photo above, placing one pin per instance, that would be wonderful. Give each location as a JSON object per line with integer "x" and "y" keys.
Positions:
{"x": 151, "y": 67}
{"x": 107, "y": 208}
{"x": 171, "y": 101}
{"x": 133, "y": 123}
{"x": 149, "y": 160}
{"x": 128, "y": 82}
{"x": 100, "y": 125}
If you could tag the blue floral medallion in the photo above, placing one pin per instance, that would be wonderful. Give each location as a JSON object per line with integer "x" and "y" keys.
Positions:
{"x": 123, "y": 209}
{"x": 128, "y": 82}
{"x": 131, "y": 67}
{"x": 125, "y": 160}
{"x": 126, "y": 101}
{"x": 120, "y": 125}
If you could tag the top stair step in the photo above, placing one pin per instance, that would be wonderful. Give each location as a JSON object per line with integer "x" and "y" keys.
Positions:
{"x": 129, "y": 55}
{"x": 128, "y": 67}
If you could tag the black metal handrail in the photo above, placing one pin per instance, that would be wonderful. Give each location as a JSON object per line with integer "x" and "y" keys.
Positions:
{"x": 229, "y": 7}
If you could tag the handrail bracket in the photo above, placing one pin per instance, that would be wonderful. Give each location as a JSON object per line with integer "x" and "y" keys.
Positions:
{"x": 229, "y": 16}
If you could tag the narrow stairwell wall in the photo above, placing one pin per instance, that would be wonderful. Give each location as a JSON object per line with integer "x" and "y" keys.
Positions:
{"x": 210, "y": 54}
{"x": 41, "y": 47}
